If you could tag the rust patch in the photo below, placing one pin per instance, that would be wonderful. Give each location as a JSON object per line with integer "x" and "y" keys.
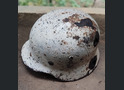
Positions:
{"x": 79, "y": 42}
{"x": 72, "y": 19}
{"x": 86, "y": 40}
{"x": 54, "y": 32}
{"x": 64, "y": 12}
{"x": 85, "y": 22}
{"x": 44, "y": 54}
{"x": 70, "y": 63}
{"x": 50, "y": 63}
{"x": 87, "y": 68}
{"x": 66, "y": 20}
{"x": 76, "y": 37}
{"x": 64, "y": 42}
{"x": 85, "y": 33}
{"x": 69, "y": 34}
{"x": 76, "y": 21}
{"x": 30, "y": 54}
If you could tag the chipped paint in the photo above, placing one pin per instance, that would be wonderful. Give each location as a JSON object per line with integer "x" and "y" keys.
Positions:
{"x": 92, "y": 62}
{"x": 85, "y": 22}
{"x": 76, "y": 37}
{"x": 62, "y": 43}
{"x": 51, "y": 63}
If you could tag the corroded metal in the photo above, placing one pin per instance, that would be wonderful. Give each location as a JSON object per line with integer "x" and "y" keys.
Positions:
{"x": 63, "y": 43}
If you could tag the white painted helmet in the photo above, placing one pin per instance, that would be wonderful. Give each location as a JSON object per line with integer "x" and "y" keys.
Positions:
{"x": 63, "y": 43}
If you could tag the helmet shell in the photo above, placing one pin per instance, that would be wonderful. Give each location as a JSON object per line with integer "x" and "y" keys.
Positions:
{"x": 63, "y": 43}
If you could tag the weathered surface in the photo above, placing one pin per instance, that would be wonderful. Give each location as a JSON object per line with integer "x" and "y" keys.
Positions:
{"x": 30, "y": 80}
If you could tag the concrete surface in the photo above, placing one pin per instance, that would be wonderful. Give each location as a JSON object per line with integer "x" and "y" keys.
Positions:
{"x": 30, "y": 80}
{"x": 99, "y": 4}
{"x": 41, "y": 9}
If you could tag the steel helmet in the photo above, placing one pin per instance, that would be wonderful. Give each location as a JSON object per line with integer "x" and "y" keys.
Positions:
{"x": 63, "y": 43}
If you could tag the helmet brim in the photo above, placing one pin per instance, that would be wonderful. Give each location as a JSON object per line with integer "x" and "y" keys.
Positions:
{"x": 37, "y": 65}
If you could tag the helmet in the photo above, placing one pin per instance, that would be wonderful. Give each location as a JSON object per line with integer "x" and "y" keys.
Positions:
{"x": 63, "y": 43}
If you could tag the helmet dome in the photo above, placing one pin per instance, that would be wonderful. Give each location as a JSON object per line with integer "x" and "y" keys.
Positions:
{"x": 63, "y": 43}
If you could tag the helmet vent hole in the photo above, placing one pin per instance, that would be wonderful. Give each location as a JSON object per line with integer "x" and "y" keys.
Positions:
{"x": 70, "y": 58}
{"x": 93, "y": 62}
{"x": 50, "y": 63}
{"x": 70, "y": 63}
